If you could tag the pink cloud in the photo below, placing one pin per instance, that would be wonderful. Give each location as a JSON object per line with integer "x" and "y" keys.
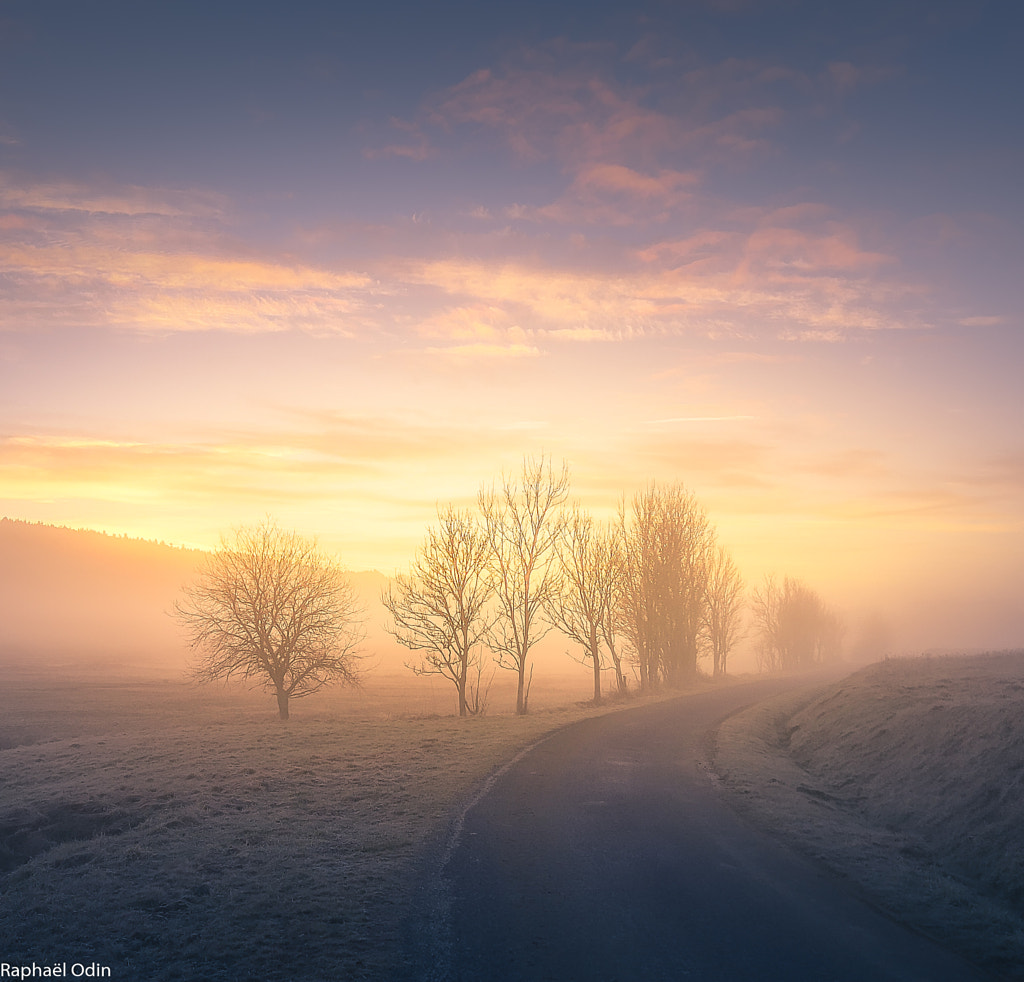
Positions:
{"x": 578, "y": 114}
{"x": 72, "y": 196}
{"x": 778, "y": 251}
{"x": 612, "y": 194}
{"x": 417, "y": 147}
{"x": 667, "y": 185}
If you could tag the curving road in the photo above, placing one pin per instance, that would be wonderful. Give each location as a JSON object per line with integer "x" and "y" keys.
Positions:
{"x": 606, "y": 854}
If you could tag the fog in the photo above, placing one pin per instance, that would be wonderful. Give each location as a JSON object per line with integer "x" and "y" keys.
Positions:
{"x": 75, "y": 601}
{"x": 83, "y": 599}
{"x": 97, "y": 664}
{"x": 86, "y": 601}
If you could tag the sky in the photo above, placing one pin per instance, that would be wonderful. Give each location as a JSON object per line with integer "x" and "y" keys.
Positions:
{"x": 340, "y": 265}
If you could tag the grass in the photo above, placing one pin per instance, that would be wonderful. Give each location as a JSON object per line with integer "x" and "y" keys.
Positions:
{"x": 176, "y": 833}
{"x": 171, "y": 832}
{"x": 907, "y": 778}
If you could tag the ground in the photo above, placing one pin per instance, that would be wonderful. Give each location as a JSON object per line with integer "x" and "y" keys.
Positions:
{"x": 176, "y": 833}
{"x": 171, "y": 832}
{"x": 906, "y": 779}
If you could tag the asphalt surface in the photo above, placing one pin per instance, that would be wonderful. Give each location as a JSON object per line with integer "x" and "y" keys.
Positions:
{"x": 607, "y": 853}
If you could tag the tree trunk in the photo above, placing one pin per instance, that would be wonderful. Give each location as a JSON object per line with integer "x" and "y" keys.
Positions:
{"x": 282, "y": 703}
{"x": 595, "y": 657}
{"x": 461, "y": 686}
{"x": 620, "y": 679}
{"x": 523, "y": 693}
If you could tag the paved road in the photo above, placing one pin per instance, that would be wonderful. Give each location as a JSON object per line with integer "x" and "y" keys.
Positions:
{"x": 607, "y": 854}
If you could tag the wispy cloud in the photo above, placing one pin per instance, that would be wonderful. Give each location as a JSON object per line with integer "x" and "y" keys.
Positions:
{"x": 414, "y": 144}
{"x": 472, "y": 352}
{"x": 550, "y": 104}
{"x": 696, "y": 419}
{"x": 982, "y": 320}
{"x": 99, "y": 199}
{"x": 72, "y": 256}
{"x": 801, "y": 293}
{"x": 795, "y": 272}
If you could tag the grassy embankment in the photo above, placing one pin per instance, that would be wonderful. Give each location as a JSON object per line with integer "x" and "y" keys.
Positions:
{"x": 907, "y": 778}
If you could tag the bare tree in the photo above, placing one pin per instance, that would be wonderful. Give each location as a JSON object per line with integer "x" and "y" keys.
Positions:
{"x": 271, "y": 607}
{"x": 796, "y": 628}
{"x": 611, "y": 543}
{"x": 523, "y": 522}
{"x": 723, "y": 607}
{"x": 639, "y": 588}
{"x": 440, "y": 609}
{"x": 667, "y": 543}
{"x": 579, "y": 605}
{"x": 766, "y": 602}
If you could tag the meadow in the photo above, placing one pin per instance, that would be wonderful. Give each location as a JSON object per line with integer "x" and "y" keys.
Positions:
{"x": 176, "y": 832}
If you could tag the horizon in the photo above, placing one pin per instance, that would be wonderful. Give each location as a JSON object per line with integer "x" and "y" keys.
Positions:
{"x": 341, "y": 267}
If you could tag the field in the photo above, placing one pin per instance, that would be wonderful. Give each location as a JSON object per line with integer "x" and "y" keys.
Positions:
{"x": 175, "y": 832}
{"x": 907, "y": 778}
{"x": 172, "y": 832}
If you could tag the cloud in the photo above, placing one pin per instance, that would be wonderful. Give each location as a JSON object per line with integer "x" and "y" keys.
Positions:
{"x": 73, "y": 196}
{"x": 175, "y": 271}
{"x": 696, "y": 419}
{"x": 415, "y": 147}
{"x": 178, "y": 292}
{"x": 844, "y": 76}
{"x": 785, "y": 252}
{"x": 78, "y": 258}
{"x": 982, "y": 321}
{"x": 474, "y": 322}
{"x": 309, "y": 458}
{"x": 575, "y": 112}
{"x": 612, "y": 194}
{"x": 468, "y": 352}
{"x": 769, "y": 283}
{"x": 666, "y": 185}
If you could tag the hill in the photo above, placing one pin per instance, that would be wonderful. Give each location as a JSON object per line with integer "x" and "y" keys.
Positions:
{"x": 908, "y": 778}
{"x": 73, "y": 600}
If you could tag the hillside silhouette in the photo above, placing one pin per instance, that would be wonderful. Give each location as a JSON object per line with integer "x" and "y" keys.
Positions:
{"x": 80, "y": 600}
{"x": 72, "y": 598}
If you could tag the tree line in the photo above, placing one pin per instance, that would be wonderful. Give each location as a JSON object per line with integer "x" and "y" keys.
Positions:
{"x": 644, "y": 596}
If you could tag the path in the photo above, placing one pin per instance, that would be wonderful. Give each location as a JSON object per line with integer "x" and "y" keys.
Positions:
{"x": 608, "y": 854}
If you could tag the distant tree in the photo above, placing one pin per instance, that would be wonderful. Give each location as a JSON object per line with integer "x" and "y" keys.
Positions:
{"x": 873, "y": 639}
{"x": 667, "y": 543}
{"x": 440, "y": 609}
{"x": 723, "y": 608}
{"x": 796, "y": 629}
{"x": 269, "y": 606}
{"x": 523, "y": 521}
{"x": 578, "y": 607}
{"x": 765, "y": 602}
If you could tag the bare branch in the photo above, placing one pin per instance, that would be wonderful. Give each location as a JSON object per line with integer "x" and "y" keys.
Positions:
{"x": 271, "y": 607}
{"x": 666, "y": 545}
{"x": 796, "y": 628}
{"x": 586, "y": 568}
{"x": 441, "y": 608}
{"x": 723, "y": 608}
{"x": 524, "y": 522}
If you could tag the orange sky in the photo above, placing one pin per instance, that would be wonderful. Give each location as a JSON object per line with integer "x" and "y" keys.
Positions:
{"x": 777, "y": 261}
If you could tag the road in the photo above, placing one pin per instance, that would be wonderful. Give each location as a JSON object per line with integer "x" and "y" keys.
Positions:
{"x": 608, "y": 854}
